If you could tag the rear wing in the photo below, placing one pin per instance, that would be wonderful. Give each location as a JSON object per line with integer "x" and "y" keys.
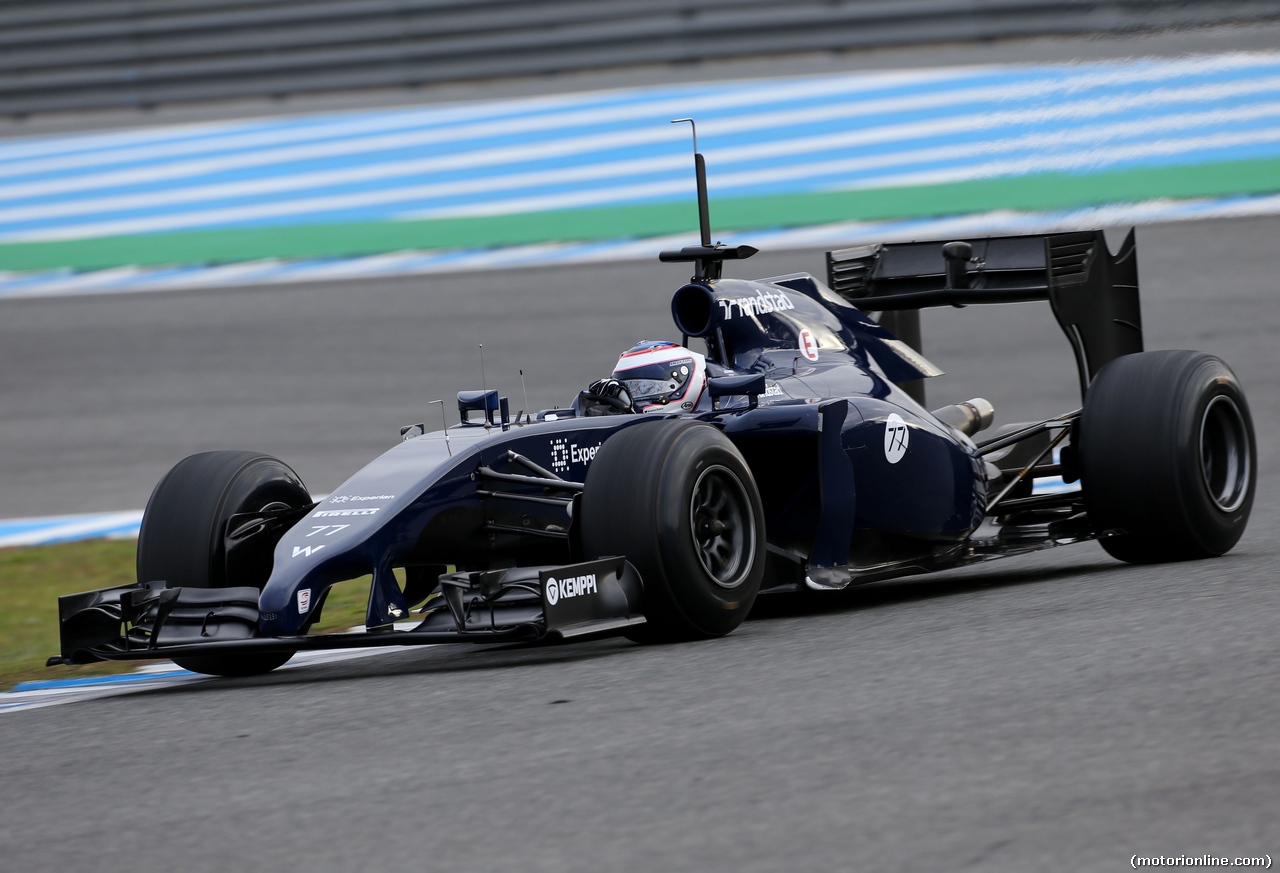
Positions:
{"x": 1093, "y": 293}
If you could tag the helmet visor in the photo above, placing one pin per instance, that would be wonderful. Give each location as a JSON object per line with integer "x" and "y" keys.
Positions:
{"x": 657, "y": 383}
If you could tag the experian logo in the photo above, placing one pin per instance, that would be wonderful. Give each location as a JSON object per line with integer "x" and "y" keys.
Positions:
{"x": 564, "y": 453}
{"x": 575, "y": 586}
{"x": 357, "y": 498}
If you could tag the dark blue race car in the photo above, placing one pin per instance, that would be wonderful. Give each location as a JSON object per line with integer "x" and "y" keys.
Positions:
{"x": 792, "y": 453}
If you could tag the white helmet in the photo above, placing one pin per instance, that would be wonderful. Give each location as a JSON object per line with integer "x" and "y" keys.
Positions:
{"x": 661, "y": 374}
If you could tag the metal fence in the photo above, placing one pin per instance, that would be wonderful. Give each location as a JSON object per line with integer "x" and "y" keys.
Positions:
{"x": 79, "y": 54}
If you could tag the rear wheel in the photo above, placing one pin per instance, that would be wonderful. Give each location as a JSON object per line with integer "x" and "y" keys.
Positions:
{"x": 1167, "y": 455}
{"x": 677, "y": 499}
{"x": 181, "y": 539}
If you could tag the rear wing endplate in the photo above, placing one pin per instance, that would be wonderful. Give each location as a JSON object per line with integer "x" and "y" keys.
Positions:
{"x": 1093, "y": 293}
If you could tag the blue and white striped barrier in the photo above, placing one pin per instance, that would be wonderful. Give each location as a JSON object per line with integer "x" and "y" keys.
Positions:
{"x": 803, "y": 134}
{"x": 136, "y": 280}
{"x": 69, "y": 528}
{"x": 808, "y": 134}
{"x": 54, "y": 692}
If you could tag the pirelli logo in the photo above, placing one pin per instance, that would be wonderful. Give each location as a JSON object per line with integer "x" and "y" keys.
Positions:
{"x": 334, "y": 513}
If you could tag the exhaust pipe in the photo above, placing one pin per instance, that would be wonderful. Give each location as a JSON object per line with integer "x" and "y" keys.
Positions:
{"x": 968, "y": 417}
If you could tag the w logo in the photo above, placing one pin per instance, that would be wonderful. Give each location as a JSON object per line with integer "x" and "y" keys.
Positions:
{"x": 305, "y": 551}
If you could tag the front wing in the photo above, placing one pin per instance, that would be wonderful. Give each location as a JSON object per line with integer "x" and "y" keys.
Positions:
{"x": 523, "y": 604}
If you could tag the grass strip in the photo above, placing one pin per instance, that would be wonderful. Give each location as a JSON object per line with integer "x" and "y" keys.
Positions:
{"x": 1037, "y": 192}
{"x": 31, "y": 579}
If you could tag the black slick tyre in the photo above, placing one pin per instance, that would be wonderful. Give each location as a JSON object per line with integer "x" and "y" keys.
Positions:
{"x": 1167, "y": 456}
{"x": 181, "y": 538}
{"x": 676, "y": 498}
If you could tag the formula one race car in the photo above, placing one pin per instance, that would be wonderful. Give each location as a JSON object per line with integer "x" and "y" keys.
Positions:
{"x": 790, "y": 456}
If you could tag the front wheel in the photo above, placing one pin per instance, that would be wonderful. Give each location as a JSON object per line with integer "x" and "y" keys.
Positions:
{"x": 181, "y": 538}
{"x": 1167, "y": 456}
{"x": 678, "y": 501}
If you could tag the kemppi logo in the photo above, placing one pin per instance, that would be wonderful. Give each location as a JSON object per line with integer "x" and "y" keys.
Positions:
{"x": 575, "y": 586}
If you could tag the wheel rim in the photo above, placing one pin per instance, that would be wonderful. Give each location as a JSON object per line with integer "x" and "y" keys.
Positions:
{"x": 1224, "y": 453}
{"x": 723, "y": 526}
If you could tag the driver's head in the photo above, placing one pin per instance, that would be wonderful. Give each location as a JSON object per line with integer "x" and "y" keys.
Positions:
{"x": 662, "y": 376}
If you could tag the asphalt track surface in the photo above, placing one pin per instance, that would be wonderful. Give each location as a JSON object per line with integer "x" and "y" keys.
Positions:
{"x": 1054, "y": 711}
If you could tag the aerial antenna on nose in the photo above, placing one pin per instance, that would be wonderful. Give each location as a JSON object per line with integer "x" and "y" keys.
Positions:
{"x": 484, "y": 385}
{"x": 526, "y": 395}
{"x": 445, "y": 424}
{"x": 708, "y": 258}
{"x": 700, "y": 171}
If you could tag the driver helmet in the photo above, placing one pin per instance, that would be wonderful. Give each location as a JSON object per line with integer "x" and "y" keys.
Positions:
{"x": 661, "y": 374}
